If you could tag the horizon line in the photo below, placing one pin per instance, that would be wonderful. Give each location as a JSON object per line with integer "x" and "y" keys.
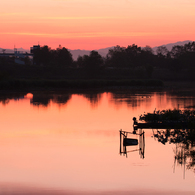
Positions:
{"x": 99, "y": 48}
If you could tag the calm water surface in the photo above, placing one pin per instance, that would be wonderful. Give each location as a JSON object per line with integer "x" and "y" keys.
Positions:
{"x": 69, "y": 144}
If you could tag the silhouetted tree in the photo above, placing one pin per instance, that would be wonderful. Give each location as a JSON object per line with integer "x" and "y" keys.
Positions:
{"x": 116, "y": 57}
{"x": 130, "y": 57}
{"x": 93, "y": 64}
{"x": 162, "y": 52}
{"x": 147, "y": 56}
{"x": 133, "y": 54}
{"x": 63, "y": 57}
{"x": 82, "y": 61}
{"x": 94, "y": 61}
{"x": 189, "y": 47}
{"x": 148, "y": 50}
{"x": 42, "y": 55}
{"x": 177, "y": 51}
{"x": 183, "y": 56}
{"x": 47, "y": 57}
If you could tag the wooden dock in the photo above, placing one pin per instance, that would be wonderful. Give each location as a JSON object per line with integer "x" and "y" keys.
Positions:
{"x": 163, "y": 125}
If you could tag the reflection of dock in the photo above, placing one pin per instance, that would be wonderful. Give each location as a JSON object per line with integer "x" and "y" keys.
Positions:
{"x": 182, "y": 134}
{"x": 126, "y": 141}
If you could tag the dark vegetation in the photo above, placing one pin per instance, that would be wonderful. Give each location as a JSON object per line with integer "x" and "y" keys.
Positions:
{"x": 131, "y": 66}
{"x": 179, "y": 118}
{"x": 170, "y": 115}
{"x": 183, "y": 138}
{"x": 71, "y": 84}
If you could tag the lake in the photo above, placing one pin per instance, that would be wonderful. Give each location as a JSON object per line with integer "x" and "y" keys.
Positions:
{"x": 69, "y": 143}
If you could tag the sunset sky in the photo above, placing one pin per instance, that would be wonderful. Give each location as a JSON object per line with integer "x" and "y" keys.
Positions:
{"x": 95, "y": 24}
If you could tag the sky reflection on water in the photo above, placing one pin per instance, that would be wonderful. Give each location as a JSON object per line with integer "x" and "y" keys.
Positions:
{"x": 70, "y": 143}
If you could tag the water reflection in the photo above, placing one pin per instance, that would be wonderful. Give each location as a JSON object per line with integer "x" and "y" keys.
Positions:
{"x": 94, "y": 98}
{"x": 44, "y": 99}
{"x": 76, "y": 146}
{"x": 184, "y": 156}
{"x": 185, "y": 98}
{"x": 6, "y": 97}
{"x": 184, "y": 139}
{"x": 62, "y": 98}
{"x": 131, "y": 98}
{"x": 182, "y": 99}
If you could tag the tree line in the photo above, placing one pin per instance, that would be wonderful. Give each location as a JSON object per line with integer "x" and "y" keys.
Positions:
{"x": 120, "y": 57}
{"x": 124, "y": 61}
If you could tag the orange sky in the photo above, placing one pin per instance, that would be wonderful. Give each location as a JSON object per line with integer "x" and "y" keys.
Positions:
{"x": 94, "y": 24}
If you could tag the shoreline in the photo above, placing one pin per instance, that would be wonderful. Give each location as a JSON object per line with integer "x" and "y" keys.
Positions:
{"x": 95, "y": 85}
{"x": 17, "y": 84}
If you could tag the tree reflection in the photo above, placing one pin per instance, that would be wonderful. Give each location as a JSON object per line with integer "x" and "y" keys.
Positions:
{"x": 131, "y": 98}
{"x": 191, "y": 156}
{"x": 94, "y": 98}
{"x": 185, "y": 155}
{"x": 184, "y": 142}
{"x": 38, "y": 98}
{"x": 44, "y": 99}
{"x": 62, "y": 99}
{"x": 6, "y": 97}
{"x": 41, "y": 99}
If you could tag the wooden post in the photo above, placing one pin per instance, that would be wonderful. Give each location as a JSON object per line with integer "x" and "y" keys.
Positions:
{"x": 120, "y": 140}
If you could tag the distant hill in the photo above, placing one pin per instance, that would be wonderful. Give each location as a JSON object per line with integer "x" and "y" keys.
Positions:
{"x": 170, "y": 45}
{"x": 76, "y": 53}
{"x": 103, "y": 52}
